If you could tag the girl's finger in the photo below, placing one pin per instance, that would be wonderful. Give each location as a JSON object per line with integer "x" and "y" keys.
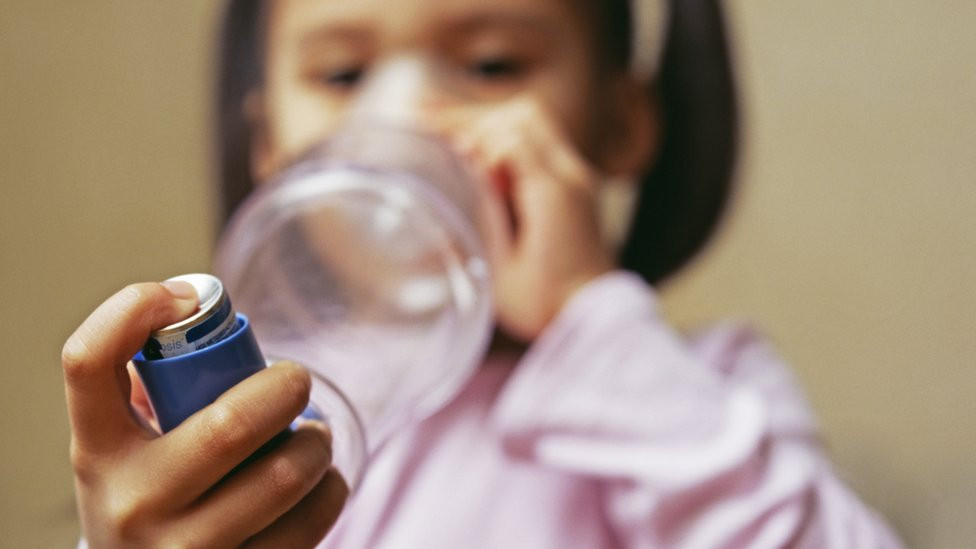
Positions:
{"x": 496, "y": 218}
{"x": 500, "y": 149}
{"x": 307, "y": 523}
{"x": 95, "y": 357}
{"x": 212, "y": 442}
{"x": 256, "y": 496}
{"x": 555, "y": 153}
{"x": 448, "y": 122}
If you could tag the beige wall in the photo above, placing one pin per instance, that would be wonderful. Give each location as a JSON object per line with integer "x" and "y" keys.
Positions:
{"x": 103, "y": 170}
{"x": 852, "y": 244}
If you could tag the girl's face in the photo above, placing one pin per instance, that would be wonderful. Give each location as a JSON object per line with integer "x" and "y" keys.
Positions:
{"x": 320, "y": 52}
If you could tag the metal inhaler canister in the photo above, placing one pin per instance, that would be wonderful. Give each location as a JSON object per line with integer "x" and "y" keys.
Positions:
{"x": 187, "y": 365}
{"x": 214, "y": 321}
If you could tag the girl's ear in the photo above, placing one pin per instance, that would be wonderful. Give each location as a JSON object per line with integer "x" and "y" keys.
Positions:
{"x": 262, "y": 158}
{"x": 632, "y": 130}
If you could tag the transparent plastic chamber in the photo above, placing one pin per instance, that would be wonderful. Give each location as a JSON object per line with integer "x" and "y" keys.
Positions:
{"x": 363, "y": 263}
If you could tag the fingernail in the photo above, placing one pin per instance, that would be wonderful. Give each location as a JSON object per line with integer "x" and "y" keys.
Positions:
{"x": 315, "y": 424}
{"x": 180, "y": 289}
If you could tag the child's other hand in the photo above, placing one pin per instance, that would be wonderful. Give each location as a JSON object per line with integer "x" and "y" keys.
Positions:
{"x": 138, "y": 489}
{"x": 539, "y": 210}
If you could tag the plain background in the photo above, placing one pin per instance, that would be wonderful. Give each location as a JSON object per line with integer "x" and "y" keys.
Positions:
{"x": 852, "y": 244}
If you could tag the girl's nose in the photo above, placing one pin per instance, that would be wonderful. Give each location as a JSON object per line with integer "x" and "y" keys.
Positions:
{"x": 400, "y": 91}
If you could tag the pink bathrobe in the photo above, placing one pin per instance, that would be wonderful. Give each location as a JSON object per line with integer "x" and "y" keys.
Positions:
{"x": 614, "y": 431}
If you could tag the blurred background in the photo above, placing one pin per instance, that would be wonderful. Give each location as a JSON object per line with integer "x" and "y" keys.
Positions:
{"x": 852, "y": 244}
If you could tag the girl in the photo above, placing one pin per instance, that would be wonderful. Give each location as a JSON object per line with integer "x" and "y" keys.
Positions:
{"x": 591, "y": 423}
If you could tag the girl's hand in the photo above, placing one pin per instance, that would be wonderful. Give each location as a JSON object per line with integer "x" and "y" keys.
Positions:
{"x": 539, "y": 210}
{"x": 136, "y": 488}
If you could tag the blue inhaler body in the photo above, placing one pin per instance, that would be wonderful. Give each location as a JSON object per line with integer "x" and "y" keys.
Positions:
{"x": 180, "y": 385}
{"x": 185, "y": 366}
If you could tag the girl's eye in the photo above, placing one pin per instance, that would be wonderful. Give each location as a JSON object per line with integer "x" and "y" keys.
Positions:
{"x": 496, "y": 68}
{"x": 342, "y": 79}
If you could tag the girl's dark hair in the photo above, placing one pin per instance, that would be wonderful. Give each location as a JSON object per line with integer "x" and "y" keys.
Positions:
{"x": 682, "y": 198}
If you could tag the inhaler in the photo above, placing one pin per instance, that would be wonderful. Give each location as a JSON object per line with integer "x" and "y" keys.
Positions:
{"x": 363, "y": 262}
